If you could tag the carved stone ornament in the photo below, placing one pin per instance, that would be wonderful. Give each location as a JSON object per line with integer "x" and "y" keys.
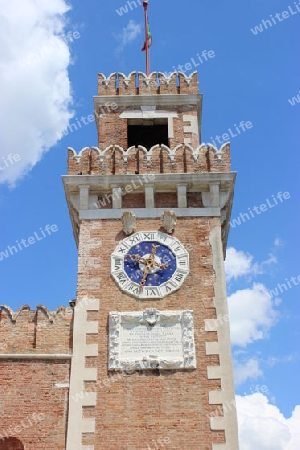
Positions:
{"x": 129, "y": 222}
{"x": 151, "y": 339}
{"x": 168, "y": 220}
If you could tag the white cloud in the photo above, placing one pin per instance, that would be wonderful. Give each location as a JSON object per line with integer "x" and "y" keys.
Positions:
{"x": 278, "y": 242}
{"x": 246, "y": 371}
{"x": 237, "y": 263}
{"x": 273, "y": 360}
{"x": 251, "y": 314}
{"x": 34, "y": 83}
{"x": 263, "y": 427}
{"x": 128, "y": 35}
{"x": 260, "y": 268}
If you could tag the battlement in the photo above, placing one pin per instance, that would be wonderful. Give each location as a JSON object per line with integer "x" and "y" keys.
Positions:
{"x": 37, "y": 331}
{"x": 158, "y": 159}
{"x": 138, "y": 83}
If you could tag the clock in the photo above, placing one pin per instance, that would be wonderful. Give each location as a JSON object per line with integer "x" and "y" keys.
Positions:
{"x": 150, "y": 264}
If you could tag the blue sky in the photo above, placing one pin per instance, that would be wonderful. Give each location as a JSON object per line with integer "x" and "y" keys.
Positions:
{"x": 49, "y": 58}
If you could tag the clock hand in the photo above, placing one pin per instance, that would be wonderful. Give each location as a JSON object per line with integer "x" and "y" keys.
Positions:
{"x": 160, "y": 265}
{"x": 136, "y": 258}
{"x": 154, "y": 248}
{"x": 146, "y": 273}
{"x": 149, "y": 263}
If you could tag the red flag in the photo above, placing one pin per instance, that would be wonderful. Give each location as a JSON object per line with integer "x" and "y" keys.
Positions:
{"x": 148, "y": 38}
{"x": 148, "y": 41}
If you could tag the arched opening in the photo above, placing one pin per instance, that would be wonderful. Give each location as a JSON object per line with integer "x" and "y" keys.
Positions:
{"x": 11, "y": 443}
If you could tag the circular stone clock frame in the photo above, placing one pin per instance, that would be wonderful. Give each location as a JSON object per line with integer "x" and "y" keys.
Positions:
{"x": 143, "y": 276}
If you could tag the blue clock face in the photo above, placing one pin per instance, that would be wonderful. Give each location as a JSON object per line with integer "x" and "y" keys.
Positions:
{"x": 161, "y": 272}
{"x": 149, "y": 264}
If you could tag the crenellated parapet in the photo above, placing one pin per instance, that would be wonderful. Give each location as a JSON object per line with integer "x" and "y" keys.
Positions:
{"x": 138, "y": 83}
{"x": 158, "y": 159}
{"x": 39, "y": 331}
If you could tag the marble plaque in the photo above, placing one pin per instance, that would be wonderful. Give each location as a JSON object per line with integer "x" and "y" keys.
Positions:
{"x": 151, "y": 339}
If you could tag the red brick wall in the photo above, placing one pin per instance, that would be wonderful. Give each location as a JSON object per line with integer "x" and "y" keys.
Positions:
{"x": 134, "y": 410}
{"x": 32, "y": 408}
{"x": 34, "y": 332}
{"x": 160, "y": 163}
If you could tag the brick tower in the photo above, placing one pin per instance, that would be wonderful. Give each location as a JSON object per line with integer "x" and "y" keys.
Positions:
{"x": 150, "y": 209}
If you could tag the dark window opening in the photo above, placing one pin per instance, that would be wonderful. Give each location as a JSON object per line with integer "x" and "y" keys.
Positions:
{"x": 147, "y": 133}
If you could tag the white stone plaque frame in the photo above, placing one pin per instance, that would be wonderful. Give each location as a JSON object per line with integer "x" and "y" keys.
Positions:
{"x": 151, "y": 339}
{"x": 153, "y": 292}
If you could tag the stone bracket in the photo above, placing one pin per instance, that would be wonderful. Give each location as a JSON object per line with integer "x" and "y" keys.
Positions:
{"x": 211, "y": 199}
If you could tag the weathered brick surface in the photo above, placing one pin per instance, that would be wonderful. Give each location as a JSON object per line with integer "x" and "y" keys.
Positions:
{"x": 32, "y": 409}
{"x": 35, "y": 331}
{"x": 133, "y": 410}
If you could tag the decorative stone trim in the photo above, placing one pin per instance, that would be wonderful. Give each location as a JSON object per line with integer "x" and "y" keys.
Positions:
{"x": 137, "y": 81}
{"x": 216, "y": 189}
{"x": 141, "y": 213}
{"x": 224, "y": 417}
{"x": 214, "y": 372}
{"x": 129, "y": 222}
{"x": 77, "y": 425}
{"x": 217, "y": 423}
{"x": 196, "y": 153}
{"x": 180, "y": 325}
{"x": 130, "y": 284}
{"x": 211, "y": 324}
{"x": 212, "y": 348}
{"x": 168, "y": 221}
{"x": 215, "y": 397}
{"x": 220, "y": 447}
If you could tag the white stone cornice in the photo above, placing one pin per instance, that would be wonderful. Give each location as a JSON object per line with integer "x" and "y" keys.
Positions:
{"x": 195, "y": 181}
{"x": 143, "y": 213}
{"x": 216, "y": 189}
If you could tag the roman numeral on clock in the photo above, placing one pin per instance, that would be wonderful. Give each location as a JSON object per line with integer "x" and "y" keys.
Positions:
{"x": 117, "y": 264}
{"x": 179, "y": 277}
{"x": 149, "y": 236}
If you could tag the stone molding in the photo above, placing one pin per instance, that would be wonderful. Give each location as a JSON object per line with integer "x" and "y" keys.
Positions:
{"x": 216, "y": 190}
{"x": 78, "y": 397}
{"x": 224, "y": 399}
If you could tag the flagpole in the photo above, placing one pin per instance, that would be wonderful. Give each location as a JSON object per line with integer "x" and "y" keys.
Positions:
{"x": 145, "y": 5}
